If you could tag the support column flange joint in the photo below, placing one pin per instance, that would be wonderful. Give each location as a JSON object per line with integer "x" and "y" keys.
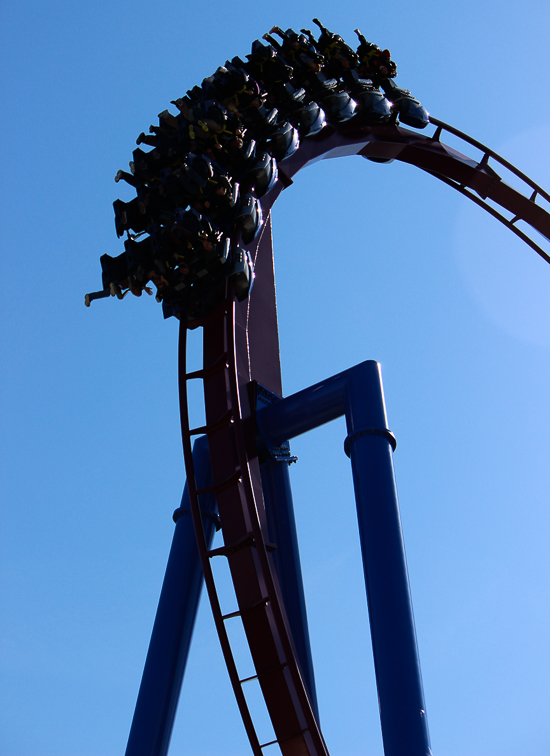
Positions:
{"x": 387, "y": 434}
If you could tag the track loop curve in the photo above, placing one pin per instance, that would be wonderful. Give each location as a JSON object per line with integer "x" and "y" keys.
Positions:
{"x": 235, "y": 354}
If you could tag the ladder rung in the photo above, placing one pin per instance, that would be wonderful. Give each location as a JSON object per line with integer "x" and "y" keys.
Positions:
{"x": 224, "y": 420}
{"x": 240, "y": 612}
{"x": 248, "y": 679}
{"x": 221, "y": 362}
{"x": 231, "y": 615}
{"x": 271, "y": 742}
{"x": 217, "y": 487}
{"x": 247, "y": 540}
{"x": 241, "y": 543}
{"x": 265, "y": 673}
{"x": 208, "y": 515}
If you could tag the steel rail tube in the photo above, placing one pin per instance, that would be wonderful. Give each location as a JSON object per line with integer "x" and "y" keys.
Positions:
{"x": 483, "y": 148}
{"x": 219, "y": 317}
{"x": 293, "y": 693}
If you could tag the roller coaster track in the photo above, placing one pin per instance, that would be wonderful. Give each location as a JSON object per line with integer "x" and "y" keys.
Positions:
{"x": 240, "y": 347}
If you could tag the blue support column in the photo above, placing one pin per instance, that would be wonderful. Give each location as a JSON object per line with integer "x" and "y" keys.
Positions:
{"x": 369, "y": 445}
{"x": 282, "y": 531}
{"x": 171, "y": 637}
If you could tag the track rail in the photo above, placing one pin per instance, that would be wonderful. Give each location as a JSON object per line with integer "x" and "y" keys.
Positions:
{"x": 517, "y": 206}
{"x": 246, "y": 546}
{"x": 475, "y": 178}
{"x": 240, "y": 345}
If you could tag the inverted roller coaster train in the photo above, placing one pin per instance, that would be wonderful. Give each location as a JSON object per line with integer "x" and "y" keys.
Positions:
{"x": 200, "y": 230}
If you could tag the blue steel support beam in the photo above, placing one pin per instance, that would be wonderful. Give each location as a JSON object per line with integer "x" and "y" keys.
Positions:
{"x": 173, "y": 628}
{"x": 358, "y": 394}
{"x": 281, "y": 526}
{"x": 301, "y": 412}
{"x": 398, "y": 677}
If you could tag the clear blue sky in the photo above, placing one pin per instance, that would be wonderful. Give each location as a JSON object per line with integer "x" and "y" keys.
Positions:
{"x": 372, "y": 262}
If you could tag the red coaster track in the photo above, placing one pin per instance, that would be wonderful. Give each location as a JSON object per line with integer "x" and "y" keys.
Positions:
{"x": 241, "y": 346}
